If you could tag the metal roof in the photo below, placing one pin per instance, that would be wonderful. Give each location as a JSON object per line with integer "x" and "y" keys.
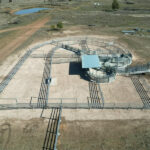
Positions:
{"x": 90, "y": 61}
{"x": 128, "y": 31}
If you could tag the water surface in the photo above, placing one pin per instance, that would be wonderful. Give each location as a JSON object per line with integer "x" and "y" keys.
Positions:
{"x": 29, "y": 11}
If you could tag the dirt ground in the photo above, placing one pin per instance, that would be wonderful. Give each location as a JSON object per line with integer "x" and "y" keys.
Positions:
{"x": 79, "y": 129}
{"x": 121, "y": 90}
{"x": 25, "y": 33}
{"x": 18, "y": 134}
{"x": 26, "y": 83}
{"x": 68, "y": 84}
{"x": 105, "y": 135}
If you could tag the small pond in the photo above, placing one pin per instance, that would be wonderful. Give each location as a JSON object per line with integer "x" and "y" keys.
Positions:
{"x": 29, "y": 11}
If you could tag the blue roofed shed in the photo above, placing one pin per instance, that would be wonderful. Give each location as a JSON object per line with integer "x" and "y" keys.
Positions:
{"x": 90, "y": 61}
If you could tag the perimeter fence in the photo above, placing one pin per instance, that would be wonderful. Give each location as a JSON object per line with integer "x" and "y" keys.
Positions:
{"x": 66, "y": 103}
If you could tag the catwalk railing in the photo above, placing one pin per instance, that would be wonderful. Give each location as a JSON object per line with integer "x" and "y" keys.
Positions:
{"x": 138, "y": 69}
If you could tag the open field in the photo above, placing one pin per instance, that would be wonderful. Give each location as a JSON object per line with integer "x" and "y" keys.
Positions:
{"x": 80, "y": 129}
{"x": 93, "y": 129}
{"x": 106, "y": 22}
{"x": 22, "y": 37}
{"x": 105, "y": 135}
{"x": 18, "y": 134}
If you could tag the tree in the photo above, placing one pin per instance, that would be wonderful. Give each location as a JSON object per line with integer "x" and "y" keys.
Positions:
{"x": 115, "y": 5}
{"x": 59, "y": 25}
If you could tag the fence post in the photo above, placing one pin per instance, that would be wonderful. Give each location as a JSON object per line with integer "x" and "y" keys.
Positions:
{"x": 76, "y": 103}
{"x": 129, "y": 106}
{"x": 61, "y": 103}
{"x": 30, "y": 101}
{"x": 16, "y": 101}
{"x": 88, "y": 102}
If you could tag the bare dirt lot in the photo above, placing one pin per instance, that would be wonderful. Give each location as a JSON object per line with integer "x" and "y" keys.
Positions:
{"x": 80, "y": 129}
{"x": 68, "y": 85}
{"x": 24, "y": 34}
{"x": 22, "y": 134}
{"x": 27, "y": 81}
{"x": 121, "y": 90}
{"x": 105, "y": 135}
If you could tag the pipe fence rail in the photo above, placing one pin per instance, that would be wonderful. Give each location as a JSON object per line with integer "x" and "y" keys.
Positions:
{"x": 141, "y": 91}
{"x": 95, "y": 98}
{"x": 52, "y": 134}
{"x": 74, "y": 105}
{"x": 46, "y": 79}
{"x": 55, "y": 56}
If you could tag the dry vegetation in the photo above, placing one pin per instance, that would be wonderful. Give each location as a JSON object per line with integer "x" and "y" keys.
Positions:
{"x": 18, "y": 134}
{"x": 105, "y": 21}
{"x": 105, "y": 135}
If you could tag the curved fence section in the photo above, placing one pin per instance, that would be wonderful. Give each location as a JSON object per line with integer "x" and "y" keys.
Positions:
{"x": 141, "y": 91}
{"x": 14, "y": 70}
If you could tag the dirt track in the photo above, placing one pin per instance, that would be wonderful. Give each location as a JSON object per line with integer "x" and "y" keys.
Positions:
{"x": 27, "y": 31}
{"x": 19, "y": 28}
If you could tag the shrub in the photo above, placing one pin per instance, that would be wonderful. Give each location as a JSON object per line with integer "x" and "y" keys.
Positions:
{"x": 59, "y": 25}
{"x": 115, "y": 5}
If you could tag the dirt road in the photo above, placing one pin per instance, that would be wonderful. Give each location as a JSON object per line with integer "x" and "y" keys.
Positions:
{"x": 20, "y": 28}
{"x": 26, "y": 32}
